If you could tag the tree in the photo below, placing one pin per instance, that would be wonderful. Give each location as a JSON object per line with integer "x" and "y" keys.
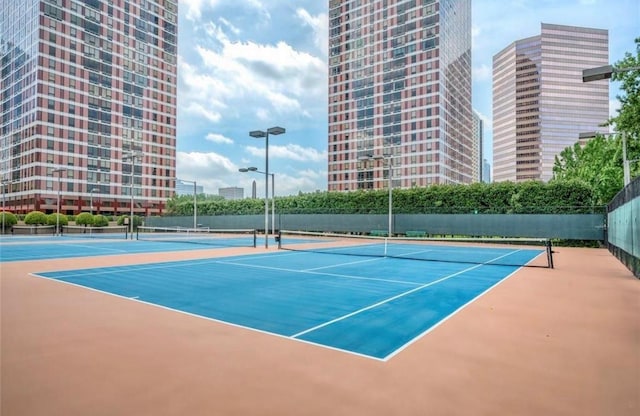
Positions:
{"x": 100, "y": 221}
{"x": 627, "y": 121}
{"x": 57, "y": 219}
{"x": 84, "y": 218}
{"x": 35, "y": 218}
{"x": 7, "y": 219}
{"x": 600, "y": 162}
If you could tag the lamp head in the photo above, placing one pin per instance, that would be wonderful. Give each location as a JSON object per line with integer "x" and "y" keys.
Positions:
{"x": 276, "y": 130}
{"x": 243, "y": 170}
{"x": 252, "y": 168}
{"x": 257, "y": 133}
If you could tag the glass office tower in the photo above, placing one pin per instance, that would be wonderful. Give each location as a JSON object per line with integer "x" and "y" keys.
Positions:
{"x": 540, "y": 104}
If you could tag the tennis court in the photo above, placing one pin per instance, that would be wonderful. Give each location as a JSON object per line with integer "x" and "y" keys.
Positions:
{"x": 246, "y": 330}
{"x": 76, "y": 244}
{"x": 372, "y": 307}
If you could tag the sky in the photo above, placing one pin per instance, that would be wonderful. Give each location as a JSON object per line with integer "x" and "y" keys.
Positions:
{"x": 254, "y": 64}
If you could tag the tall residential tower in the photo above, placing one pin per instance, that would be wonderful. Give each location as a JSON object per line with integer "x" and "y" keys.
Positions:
{"x": 540, "y": 104}
{"x": 88, "y": 99}
{"x": 399, "y": 94}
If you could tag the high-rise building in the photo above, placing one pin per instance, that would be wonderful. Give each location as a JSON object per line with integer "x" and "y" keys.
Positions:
{"x": 399, "y": 93}
{"x": 486, "y": 171}
{"x": 540, "y": 104}
{"x": 478, "y": 142}
{"x": 88, "y": 99}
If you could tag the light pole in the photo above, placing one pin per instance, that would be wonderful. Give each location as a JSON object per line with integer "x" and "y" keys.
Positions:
{"x": 58, "y": 171}
{"x": 91, "y": 199}
{"x": 606, "y": 72}
{"x": 132, "y": 156}
{"x": 265, "y": 134}
{"x": 273, "y": 194}
{"x": 5, "y": 182}
{"x": 195, "y": 205}
{"x": 389, "y": 159}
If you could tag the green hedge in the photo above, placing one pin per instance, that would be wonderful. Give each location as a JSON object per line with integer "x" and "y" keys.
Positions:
{"x": 557, "y": 197}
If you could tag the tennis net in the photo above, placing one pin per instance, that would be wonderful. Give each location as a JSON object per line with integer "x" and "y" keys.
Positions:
{"x": 204, "y": 235}
{"x": 531, "y": 252}
{"x": 79, "y": 231}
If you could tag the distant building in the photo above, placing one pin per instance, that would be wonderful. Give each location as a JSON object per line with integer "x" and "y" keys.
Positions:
{"x": 231, "y": 192}
{"x": 540, "y": 104}
{"x": 186, "y": 188}
{"x": 486, "y": 171}
{"x": 476, "y": 150}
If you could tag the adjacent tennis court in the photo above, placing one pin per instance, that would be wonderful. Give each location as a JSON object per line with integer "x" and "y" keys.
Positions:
{"x": 98, "y": 242}
{"x": 373, "y": 306}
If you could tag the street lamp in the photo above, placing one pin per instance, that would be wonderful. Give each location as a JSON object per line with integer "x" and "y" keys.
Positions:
{"x": 5, "y": 182}
{"x": 91, "y": 198}
{"x": 195, "y": 205}
{"x": 58, "y": 171}
{"x": 389, "y": 159}
{"x": 265, "y": 134}
{"x": 273, "y": 194}
{"x": 606, "y": 72}
{"x": 132, "y": 156}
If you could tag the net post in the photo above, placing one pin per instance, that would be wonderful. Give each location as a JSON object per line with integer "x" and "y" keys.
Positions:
{"x": 255, "y": 238}
{"x": 549, "y": 253}
{"x": 279, "y": 239}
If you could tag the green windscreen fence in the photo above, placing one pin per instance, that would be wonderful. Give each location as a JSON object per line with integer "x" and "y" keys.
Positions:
{"x": 623, "y": 218}
{"x": 552, "y": 226}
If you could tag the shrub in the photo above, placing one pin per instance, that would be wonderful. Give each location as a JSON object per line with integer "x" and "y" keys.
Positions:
{"x": 8, "y": 219}
{"x": 35, "y": 218}
{"x": 84, "y": 218}
{"x": 137, "y": 221}
{"x": 60, "y": 219}
{"x": 100, "y": 221}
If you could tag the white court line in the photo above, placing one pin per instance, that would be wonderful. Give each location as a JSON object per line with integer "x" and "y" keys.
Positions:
{"x": 446, "y": 318}
{"x": 345, "y": 276}
{"x": 168, "y": 308}
{"x": 382, "y": 302}
{"x": 94, "y": 248}
{"x": 344, "y": 264}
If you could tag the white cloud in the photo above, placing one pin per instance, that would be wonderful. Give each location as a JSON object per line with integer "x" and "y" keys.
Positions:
{"x": 194, "y": 8}
{"x": 291, "y": 152}
{"x": 483, "y": 72}
{"x": 199, "y": 109}
{"x": 320, "y": 26}
{"x": 256, "y": 80}
{"x": 203, "y": 163}
{"x": 218, "y": 138}
{"x": 230, "y": 26}
{"x": 207, "y": 169}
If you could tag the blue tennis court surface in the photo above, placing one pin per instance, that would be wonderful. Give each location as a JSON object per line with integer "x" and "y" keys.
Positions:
{"x": 21, "y": 248}
{"x": 372, "y": 307}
